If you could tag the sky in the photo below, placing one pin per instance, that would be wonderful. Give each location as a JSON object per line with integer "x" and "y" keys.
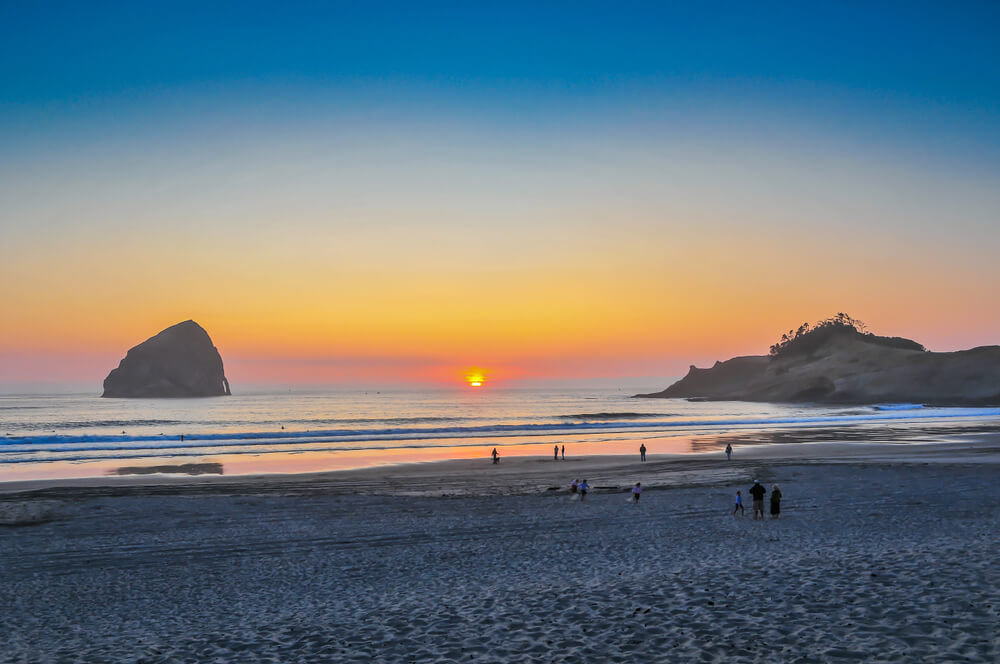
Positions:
{"x": 401, "y": 193}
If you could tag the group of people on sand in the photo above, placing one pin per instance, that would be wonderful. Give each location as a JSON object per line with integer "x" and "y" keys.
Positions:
{"x": 757, "y": 492}
{"x": 577, "y": 487}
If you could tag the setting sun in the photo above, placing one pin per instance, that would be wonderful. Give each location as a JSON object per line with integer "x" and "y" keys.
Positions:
{"x": 475, "y": 378}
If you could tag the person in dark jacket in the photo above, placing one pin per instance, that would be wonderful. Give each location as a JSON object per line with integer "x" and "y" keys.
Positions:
{"x": 775, "y": 501}
{"x": 758, "y": 491}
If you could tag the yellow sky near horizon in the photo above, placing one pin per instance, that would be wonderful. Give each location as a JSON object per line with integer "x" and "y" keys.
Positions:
{"x": 565, "y": 258}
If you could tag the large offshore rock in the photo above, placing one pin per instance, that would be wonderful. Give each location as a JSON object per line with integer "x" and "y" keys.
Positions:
{"x": 180, "y": 361}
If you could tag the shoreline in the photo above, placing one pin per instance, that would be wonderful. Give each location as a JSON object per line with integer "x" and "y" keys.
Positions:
{"x": 527, "y": 475}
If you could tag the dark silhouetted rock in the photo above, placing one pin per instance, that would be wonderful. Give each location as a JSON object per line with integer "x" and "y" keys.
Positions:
{"x": 844, "y": 366}
{"x": 180, "y": 361}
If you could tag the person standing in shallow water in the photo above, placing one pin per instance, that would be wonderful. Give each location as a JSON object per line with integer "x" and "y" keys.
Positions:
{"x": 775, "y": 501}
{"x": 758, "y": 491}
{"x": 582, "y": 487}
{"x": 642, "y": 452}
{"x": 496, "y": 456}
{"x": 564, "y": 452}
{"x": 729, "y": 452}
{"x": 636, "y": 492}
{"x": 555, "y": 453}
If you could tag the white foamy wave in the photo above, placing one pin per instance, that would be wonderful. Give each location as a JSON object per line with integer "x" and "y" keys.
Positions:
{"x": 17, "y": 449}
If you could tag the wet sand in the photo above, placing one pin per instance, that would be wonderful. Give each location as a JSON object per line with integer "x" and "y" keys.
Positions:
{"x": 882, "y": 553}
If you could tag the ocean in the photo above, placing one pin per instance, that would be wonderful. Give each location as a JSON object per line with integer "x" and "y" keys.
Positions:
{"x": 83, "y": 435}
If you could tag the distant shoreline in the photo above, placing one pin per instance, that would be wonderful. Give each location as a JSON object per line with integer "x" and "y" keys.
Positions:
{"x": 165, "y": 443}
{"x": 528, "y": 475}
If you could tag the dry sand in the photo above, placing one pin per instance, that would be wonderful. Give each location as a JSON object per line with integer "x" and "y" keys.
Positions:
{"x": 883, "y": 553}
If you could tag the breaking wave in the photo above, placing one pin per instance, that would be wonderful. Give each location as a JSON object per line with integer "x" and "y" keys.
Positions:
{"x": 17, "y": 449}
{"x": 614, "y": 416}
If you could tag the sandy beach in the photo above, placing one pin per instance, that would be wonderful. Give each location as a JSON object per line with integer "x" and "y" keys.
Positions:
{"x": 882, "y": 553}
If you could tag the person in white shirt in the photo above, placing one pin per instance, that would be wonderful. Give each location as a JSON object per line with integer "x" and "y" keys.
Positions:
{"x": 636, "y": 492}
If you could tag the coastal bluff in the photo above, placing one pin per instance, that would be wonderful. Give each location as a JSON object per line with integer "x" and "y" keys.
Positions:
{"x": 180, "y": 361}
{"x": 838, "y": 364}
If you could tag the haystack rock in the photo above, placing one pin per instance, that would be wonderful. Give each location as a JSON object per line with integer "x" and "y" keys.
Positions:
{"x": 838, "y": 364}
{"x": 180, "y": 361}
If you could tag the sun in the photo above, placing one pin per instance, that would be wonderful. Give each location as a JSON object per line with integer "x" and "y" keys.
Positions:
{"x": 475, "y": 378}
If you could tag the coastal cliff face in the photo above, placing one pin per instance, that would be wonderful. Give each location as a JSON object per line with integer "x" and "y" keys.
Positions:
{"x": 850, "y": 368}
{"x": 180, "y": 361}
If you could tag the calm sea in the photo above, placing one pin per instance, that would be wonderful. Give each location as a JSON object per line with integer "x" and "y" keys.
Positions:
{"x": 77, "y": 435}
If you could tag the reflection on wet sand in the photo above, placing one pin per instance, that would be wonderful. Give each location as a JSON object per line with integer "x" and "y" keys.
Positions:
{"x": 179, "y": 469}
{"x": 852, "y": 434}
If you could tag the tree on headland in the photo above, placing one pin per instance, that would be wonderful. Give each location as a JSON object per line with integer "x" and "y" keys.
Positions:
{"x": 808, "y": 338}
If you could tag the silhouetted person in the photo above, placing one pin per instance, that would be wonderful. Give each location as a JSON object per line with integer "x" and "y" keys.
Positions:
{"x": 496, "y": 456}
{"x": 758, "y": 491}
{"x": 555, "y": 453}
{"x": 564, "y": 452}
{"x": 729, "y": 452}
{"x": 775, "y": 501}
{"x": 642, "y": 452}
{"x": 739, "y": 505}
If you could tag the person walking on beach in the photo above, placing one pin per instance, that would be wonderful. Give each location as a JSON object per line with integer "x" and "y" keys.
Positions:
{"x": 739, "y": 505}
{"x": 729, "y": 452}
{"x": 758, "y": 491}
{"x": 583, "y": 486}
{"x": 564, "y": 452}
{"x": 496, "y": 456}
{"x": 555, "y": 453}
{"x": 775, "y": 501}
{"x": 636, "y": 492}
{"x": 642, "y": 452}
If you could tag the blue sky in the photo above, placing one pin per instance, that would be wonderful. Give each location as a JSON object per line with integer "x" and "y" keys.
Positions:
{"x": 898, "y": 73}
{"x": 937, "y": 53}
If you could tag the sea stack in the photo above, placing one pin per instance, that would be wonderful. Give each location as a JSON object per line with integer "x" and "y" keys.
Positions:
{"x": 180, "y": 361}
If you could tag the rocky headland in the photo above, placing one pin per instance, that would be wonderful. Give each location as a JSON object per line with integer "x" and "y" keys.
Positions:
{"x": 180, "y": 361}
{"x": 837, "y": 362}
